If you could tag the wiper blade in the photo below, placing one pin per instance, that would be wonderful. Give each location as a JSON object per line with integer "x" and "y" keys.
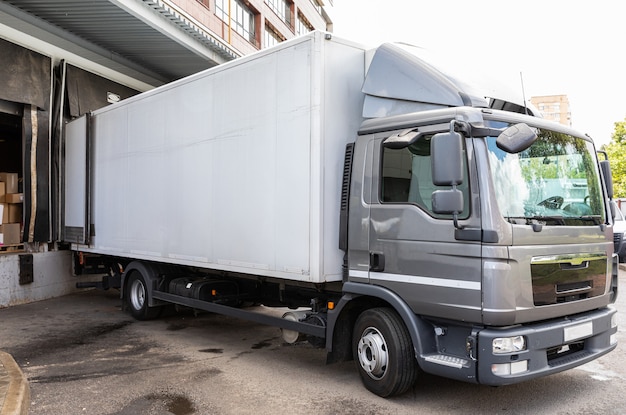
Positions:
{"x": 553, "y": 220}
{"x": 596, "y": 219}
{"x": 516, "y": 220}
{"x": 556, "y": 220}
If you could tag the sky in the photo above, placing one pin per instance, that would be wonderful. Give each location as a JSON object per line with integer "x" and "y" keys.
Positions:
{"x": 556, "y": 47}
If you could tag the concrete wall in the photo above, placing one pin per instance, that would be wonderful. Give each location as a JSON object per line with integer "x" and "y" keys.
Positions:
{"x": 52, "y": 278}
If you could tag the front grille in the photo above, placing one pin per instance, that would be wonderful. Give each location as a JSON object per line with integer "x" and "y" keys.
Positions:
{"x": 567, "y": 354}
{"x": 566, "y": 278}
{"x": 562, "y": 351}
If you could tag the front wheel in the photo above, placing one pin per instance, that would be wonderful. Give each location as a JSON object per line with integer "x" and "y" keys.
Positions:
{"x": 137, "y": 298}
{"x": 383, "y": 352}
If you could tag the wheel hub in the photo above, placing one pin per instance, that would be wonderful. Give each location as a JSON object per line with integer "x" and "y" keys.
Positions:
{"x": 137, "y": 295}
{"x": 373, "y": 353}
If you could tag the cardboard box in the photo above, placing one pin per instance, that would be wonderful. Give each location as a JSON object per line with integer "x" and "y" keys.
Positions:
{"x": 10, "y": 180}
{"x": 13, "y": 197}
{"x": 15, "y": 212}
{"x": 11, "y": 233}
{"x": 3, "y": 192}
{"x": 11, "y": 213}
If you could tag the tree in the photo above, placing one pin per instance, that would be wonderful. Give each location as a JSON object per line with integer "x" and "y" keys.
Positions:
{"x": 619, "y": 134}
{"x": 616, "y": 150}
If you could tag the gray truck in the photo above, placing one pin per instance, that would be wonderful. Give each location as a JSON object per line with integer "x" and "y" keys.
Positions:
{"x": 405, "y": 219}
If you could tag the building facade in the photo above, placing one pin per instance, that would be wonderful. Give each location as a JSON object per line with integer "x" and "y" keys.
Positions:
{"x": 554, "y": 108}
{"x": 250, "y": 25}
{"x": 65, "y": 58}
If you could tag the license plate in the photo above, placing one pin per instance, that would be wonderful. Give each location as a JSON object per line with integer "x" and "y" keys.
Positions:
{"x": 577, "y": 332}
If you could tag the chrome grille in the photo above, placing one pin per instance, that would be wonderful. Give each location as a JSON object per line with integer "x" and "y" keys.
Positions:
{"x": 565, "y": 278}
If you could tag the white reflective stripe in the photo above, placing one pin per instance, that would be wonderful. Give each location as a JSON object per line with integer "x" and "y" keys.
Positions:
{"x": 359, "y": 274}
{"x": 414, "y": 279}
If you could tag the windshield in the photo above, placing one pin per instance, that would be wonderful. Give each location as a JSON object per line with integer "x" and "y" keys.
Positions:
{"x": 554, "y": 182}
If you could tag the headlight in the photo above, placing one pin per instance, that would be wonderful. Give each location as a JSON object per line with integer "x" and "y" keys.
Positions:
{"x": 501, "y": 345}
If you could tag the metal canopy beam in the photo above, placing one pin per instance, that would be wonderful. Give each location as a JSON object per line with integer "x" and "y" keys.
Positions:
{"x": 143, "y": 39}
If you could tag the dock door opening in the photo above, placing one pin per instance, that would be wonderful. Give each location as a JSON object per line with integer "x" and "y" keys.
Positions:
{"x": 11, "y": 168}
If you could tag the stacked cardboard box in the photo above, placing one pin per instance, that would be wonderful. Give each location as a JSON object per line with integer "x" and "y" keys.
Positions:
{"x": 11, "y": 207}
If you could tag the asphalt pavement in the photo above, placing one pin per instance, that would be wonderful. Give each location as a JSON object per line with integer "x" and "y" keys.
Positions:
{"x": 82, "y": 354}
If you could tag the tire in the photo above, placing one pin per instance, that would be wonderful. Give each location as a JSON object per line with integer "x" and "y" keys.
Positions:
{"x": 137, "y": 298}
{"x": 383, "y": 352}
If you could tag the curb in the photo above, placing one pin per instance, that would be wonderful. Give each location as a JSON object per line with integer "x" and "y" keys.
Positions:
{"x": 16, "y": 400}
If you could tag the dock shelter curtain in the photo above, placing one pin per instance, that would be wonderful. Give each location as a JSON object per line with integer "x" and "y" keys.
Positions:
{"x": 24, "y": 75}
{"x": 87, "y": 91}
{"x": 25, "y": 78}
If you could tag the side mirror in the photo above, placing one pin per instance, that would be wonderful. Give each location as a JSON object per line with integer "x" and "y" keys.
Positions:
{"x": 605, "y": 167}
{"x": 403, "y": 139}
{"x": 447, "y": 202}
{"x": 446, "y": 152}
{"x": 613, "y": 210}
{"x": 516, "y": 138}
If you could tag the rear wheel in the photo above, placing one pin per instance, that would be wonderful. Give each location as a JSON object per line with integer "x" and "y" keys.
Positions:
{"x": 383, "y": 352}
{"x": 137, "y": 298}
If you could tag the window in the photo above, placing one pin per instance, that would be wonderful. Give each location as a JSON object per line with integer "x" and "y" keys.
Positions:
{"x": 282, "y": 8}
{"x": 303, "y": 26}
{"x": 317, "y": 6}
{"x": 241, "y": 17}
{"x": 407, "y": 177}
{"x": 272, "y": 37}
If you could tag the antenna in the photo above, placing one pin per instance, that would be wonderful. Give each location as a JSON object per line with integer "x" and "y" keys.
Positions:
{"x": 521, "y": 77}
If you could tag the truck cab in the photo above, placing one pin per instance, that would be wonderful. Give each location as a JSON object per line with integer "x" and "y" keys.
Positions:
{"x": 493, "y": 230}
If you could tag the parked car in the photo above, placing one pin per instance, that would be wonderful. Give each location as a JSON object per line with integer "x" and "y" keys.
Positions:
{"x": 619, "y": 231}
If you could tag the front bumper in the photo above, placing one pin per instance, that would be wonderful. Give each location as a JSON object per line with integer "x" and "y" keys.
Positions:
{"x": 552, "y": 347}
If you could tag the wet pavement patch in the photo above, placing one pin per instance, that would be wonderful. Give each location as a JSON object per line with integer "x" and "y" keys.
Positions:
{"x": 263, "y": 344}
{"x": 90, "y": 334}
{"x": 156, "y": 403}
{"x": 178, "y": 404}
{"x": 70, "y": 377}
{"x": 62, "y": 340}
{"x": 176, "y": 326}
{"x": 211, "y": 351}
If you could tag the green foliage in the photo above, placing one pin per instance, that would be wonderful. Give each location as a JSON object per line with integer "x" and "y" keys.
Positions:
{"x": 619, "y": 134}
{"x": 616, "y": 150}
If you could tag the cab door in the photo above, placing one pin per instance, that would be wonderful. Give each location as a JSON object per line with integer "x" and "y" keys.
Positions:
{"x": 413, "y": 251}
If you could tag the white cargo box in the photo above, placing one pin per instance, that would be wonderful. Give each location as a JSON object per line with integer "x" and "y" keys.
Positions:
{"x": 236, "y": 168}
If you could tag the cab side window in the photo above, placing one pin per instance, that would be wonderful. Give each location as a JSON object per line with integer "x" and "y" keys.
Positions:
{"x": 407, "y": 178}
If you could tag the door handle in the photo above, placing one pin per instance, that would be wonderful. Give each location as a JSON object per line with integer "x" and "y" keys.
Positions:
{"x": 377, "y": 261}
